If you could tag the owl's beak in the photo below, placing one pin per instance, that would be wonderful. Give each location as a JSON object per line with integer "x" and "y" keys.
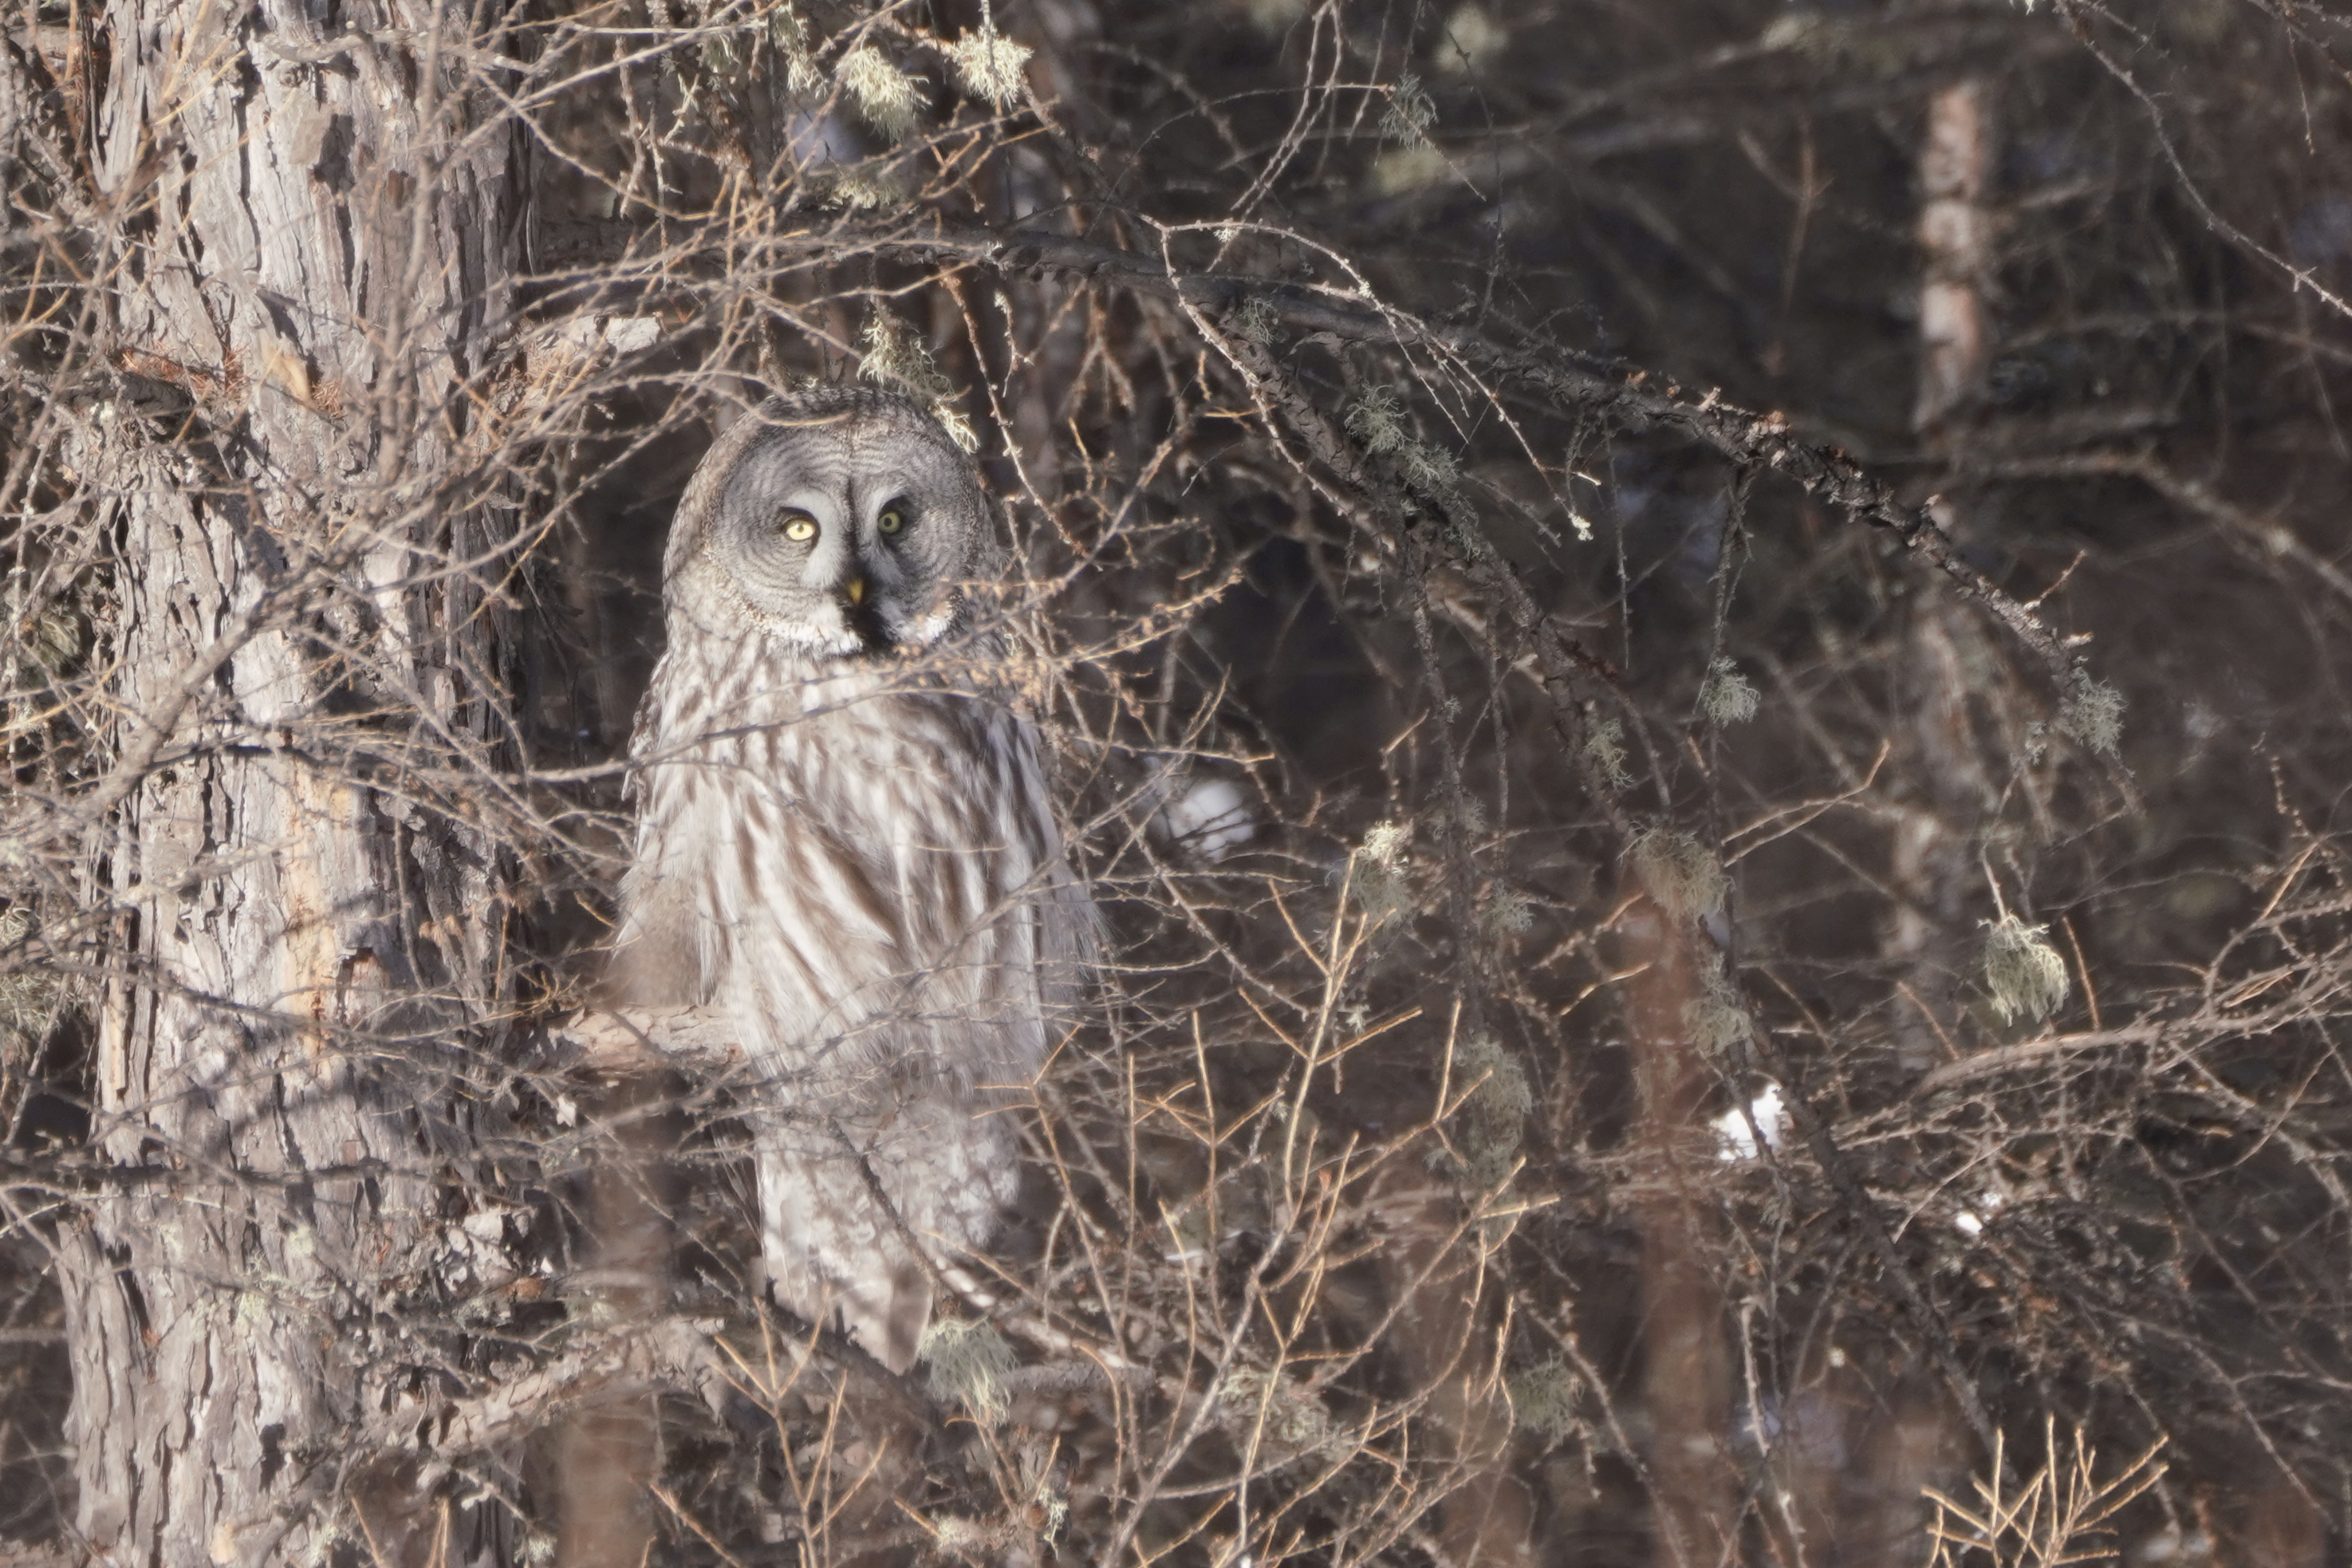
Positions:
{"x": 861, "y": 622}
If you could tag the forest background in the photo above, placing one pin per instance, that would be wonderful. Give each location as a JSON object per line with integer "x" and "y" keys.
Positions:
{"x": 1698, "y": 652}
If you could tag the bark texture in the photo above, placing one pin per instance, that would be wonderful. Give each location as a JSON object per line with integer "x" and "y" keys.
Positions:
{"x": 1685, "y": 1379}
{"x": 312, "y": 258}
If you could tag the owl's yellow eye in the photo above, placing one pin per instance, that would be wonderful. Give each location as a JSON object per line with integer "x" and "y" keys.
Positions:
{"x": 892, "y": 520}
{"x": 799, "y": 527}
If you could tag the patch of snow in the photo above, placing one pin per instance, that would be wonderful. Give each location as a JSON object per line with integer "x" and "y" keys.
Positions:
{"x": 1734, "y": 1137}
{"x": 1212, "y": 819}
{"x": 1971, "y": 1221}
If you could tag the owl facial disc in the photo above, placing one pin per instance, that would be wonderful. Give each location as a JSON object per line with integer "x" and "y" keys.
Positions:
{"x": 843, "y": 521}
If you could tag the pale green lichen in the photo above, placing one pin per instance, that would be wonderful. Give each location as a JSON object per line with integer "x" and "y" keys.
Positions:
{"x": 2093, "y": 712}
{"x": 853, "y": 191}
{"x": 1503, "y": 1097}
{"x": 893, "y": 354}
{"x": 1491, "y": 1123}
{"x": 1727, "y": 697}
{"x": 961, "y": 1537}
{"x": 27, "y": 997}
{"x": 968, "y": 1360}
{"x": 886, "y": 98}
{"x": 1508, "y": 913}
{"x": 1385, "y": 843}
{"x": 1378, "y": 420}
{"x": 1543, "y": 1397}
{"x": 1428, "y": 468}
{"x": 55, "y": 636}
{"x": 789, "y": 33}
{"x": 2024, "y": 974}
{"x": 1682, "y": 874}
{"x": 1605, "y": 748}
{"x": 1472, "y": 815}
{"x": 959, "y": 428}
{"x": 1380, "y": 876}
{"x": 991, "y": 67}
{"x": 1716, "y": 1014}
{"x": 1410, "y": 113}
{"x": 1045, "y": 1491}
{"x": 1256, "y": 321}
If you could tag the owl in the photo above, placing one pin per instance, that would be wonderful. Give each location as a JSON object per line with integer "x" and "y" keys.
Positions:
{"x": 846, "y": 849}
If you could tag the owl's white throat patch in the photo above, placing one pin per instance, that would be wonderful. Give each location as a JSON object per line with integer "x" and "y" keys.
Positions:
{"x": 925, "y": 630}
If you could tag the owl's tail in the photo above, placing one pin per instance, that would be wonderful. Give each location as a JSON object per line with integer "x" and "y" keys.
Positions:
{"x": 856, "y": 1218}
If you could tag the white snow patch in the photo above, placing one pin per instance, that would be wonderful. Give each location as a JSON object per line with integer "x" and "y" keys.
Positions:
{"x": 1971, "y": 1221}
{"x": 1212, "y": 819}
{"x": 1735, "y": 1139}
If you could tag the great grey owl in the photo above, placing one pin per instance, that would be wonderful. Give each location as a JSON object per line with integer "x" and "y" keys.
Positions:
{"x": 845, "y": 850}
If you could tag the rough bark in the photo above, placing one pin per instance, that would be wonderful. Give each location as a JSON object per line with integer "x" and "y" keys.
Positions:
{"x": 1956, "y": 229}
{"x": 1685, "y": 1376}
{"x": 1946, "y": 655}
{"x": 312, "y": 261}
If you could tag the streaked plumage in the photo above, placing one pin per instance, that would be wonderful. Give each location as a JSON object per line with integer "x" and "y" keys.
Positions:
{"x": 845, "y": 845}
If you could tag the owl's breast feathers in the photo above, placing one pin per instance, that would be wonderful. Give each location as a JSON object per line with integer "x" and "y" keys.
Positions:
{"x": 861, "y": 866}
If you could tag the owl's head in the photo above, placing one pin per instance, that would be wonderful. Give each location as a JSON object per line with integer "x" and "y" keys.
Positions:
{"x": 840, "y": 520}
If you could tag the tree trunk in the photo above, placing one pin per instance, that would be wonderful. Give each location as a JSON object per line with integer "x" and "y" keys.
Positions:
{"x": 312, "y": 261}
{"x": 1945, "y": 657}
{"x": 1947, "y": 664}
{"x": 1685, "y": 1373}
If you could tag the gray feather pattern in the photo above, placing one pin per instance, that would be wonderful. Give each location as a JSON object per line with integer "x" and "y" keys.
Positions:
{"x": 851, "y": 856}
